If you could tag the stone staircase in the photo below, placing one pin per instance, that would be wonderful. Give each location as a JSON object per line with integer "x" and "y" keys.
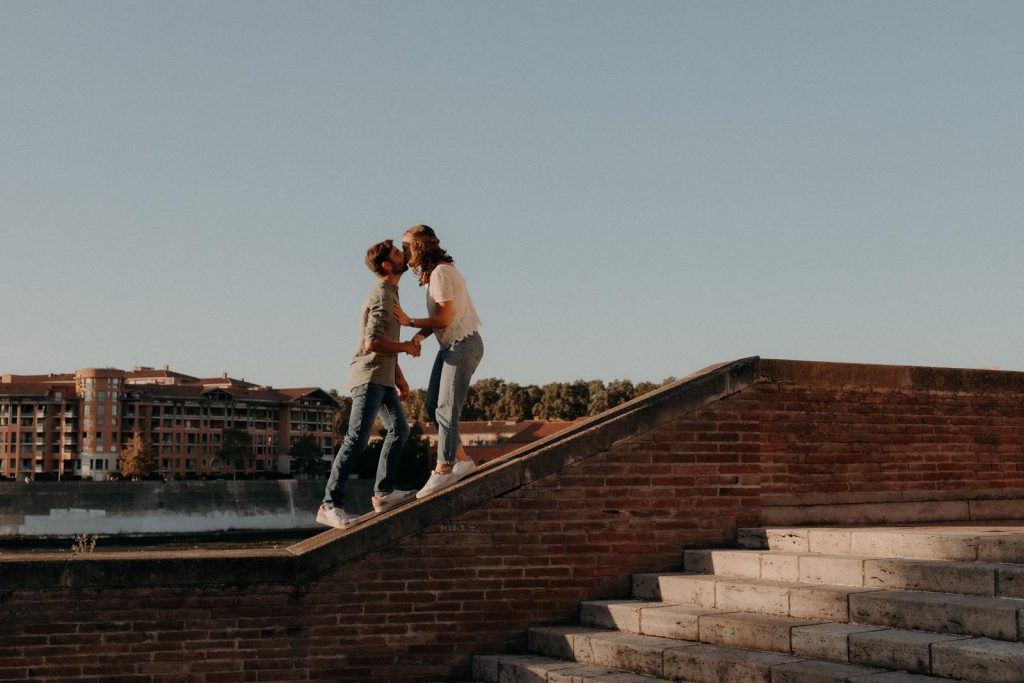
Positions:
{"x": 803, "y": 605}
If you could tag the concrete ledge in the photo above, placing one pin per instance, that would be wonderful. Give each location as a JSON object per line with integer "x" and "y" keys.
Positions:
{"x": 892, "y": 376}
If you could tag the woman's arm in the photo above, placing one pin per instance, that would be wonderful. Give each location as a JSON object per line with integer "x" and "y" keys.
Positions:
{"x": 443, "y": 318}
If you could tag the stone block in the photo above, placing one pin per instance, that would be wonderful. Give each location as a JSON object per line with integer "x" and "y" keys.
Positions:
{"x": 896, "y": 649}
{"x": 673, "y": 621}
{"x": 749, "y": 631}
{"x": 938, "y": 612}
{"x": 897, "y": 677}
{"x": 930, "y": 575}
{"x": 625, "y": 651}
{"x": 789, "y": 540}
{"x": 746, "y": 563}
{"x": 766, "y": 597}
{"x": 698, "y": 561}
{"x": 554, "y": 641}
{"x": 820, "y": 672}
{"x": 920, "y": 545}
{"x": 753, "y": 539}
{"x": 1009, "y": 548}
{"x": 780, "y": 566}
{"x": 527, "y": 669}
{"x": 712, "y": 663}
{"x": 828, "y": 641}
{"x": 597, "y": 674}
{"x": 829, "y": 541}
{"x": 485, "y": 668}
{"x": 997, "y": 509}
{"x": 687, "y": 589}
{"x": 623, "y": 615}
{"x": 827, "y": 603}
{"x": 1010, "y": 581}
{"x": 979, "y": 659}
{"x": 832, "y": 569}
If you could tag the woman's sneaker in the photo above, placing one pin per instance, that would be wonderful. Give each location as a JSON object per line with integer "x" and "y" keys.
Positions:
{"x": 463, "y": 468}
{"x": 437, "y": 482}
{"x": 335, "y": 517}
{"x": 390, "y": 500}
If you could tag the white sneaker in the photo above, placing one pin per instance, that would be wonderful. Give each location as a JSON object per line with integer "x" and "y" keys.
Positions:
{"x": 437, "y": 482}
{"x": 335, "y": 517}
{"x": 390, "y": 500}
{"x": 463, "y": 468}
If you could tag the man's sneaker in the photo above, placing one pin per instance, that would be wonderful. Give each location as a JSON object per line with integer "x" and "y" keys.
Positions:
{"x": 390, "y": 500}
{"x": 437, "y": 482}
{"x": 463, "y": 468}
{"x": 335, "y": 516}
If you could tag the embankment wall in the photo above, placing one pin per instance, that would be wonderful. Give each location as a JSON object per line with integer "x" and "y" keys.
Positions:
{"x": 411, "y": 595}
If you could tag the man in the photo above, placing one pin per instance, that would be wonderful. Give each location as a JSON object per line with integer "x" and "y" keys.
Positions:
{"x": 377, "y": 385}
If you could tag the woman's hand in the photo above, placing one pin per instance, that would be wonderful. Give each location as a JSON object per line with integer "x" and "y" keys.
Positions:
{"x": 403, "y": 319}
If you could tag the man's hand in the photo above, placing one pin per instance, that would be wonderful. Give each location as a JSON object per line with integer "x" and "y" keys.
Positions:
{"x": 403, "y": 387}
{"x": 412, "y": 347}
{"x": 403, "y": 319}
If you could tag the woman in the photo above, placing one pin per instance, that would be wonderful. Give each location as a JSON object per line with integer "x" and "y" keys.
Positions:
{"x": 453, "y": 320}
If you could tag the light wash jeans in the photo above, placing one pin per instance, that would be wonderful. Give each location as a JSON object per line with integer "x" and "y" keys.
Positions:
{"x": 368, "y": 400}
{"x": 449, "y": 384}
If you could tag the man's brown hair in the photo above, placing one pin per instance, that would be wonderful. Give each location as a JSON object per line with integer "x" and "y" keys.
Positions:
{"x": 377, "y": 255}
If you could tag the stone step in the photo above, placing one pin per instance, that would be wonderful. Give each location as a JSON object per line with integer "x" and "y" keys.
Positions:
{"x": 997, "y": 618}
{"x": 740, "y": 594}
{"x": 535, "y": 669}
{"x": 969, "y": 578}
{"x": 961, "y": 542}
{"x": 970, "y": 615}
{"x": 697, "y": 662}
{"x": 955, "y": 656}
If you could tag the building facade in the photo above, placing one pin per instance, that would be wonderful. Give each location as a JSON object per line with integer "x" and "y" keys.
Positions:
{"x": 79, "y": 423}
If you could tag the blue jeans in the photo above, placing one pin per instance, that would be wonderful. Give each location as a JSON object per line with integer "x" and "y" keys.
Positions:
{"x": 367, "y": 401}
{"x": 449, "y": 384}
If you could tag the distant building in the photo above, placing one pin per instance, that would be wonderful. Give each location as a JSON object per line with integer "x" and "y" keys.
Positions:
{"x": 487, "y": 440}
{"x": 77, "y": 424}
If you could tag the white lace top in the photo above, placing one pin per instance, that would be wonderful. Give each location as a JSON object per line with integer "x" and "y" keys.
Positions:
{"x": 447, "y": 284}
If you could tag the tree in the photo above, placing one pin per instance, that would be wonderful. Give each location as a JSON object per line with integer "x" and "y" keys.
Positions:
{"x": 339, "y": 420}
{"x": 235, "y": 451}
{"x": 620, "y": 391}
{"x": 415, "y": 406}
{"x": 137, "y": 459}
{"x": 516, "y": 403}
{"x": 307, "y": 457}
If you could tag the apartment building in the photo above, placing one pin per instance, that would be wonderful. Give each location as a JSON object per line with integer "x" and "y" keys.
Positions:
{"x": 78, "y": 423}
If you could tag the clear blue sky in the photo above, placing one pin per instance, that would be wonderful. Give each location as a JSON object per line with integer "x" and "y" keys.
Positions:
{"x": 632, "y": 189}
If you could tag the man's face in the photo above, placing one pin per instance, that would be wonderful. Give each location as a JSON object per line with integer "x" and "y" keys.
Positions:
{"x": 398, "y": 262}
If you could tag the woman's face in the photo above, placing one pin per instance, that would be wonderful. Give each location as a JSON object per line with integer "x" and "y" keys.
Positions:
{"x": 411, "y": 252}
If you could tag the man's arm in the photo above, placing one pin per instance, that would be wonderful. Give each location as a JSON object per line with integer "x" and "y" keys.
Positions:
{"x": 374, "y": 328}
{"x": 400, "y": 383}
{"x": 377, "y": 345}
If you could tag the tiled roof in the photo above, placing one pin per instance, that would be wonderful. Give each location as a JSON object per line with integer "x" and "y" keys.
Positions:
{"x": 538, "y": 429}
{"x": 151, "y": 373}
{"x": 224, "y": 382}
{"x": 63, "y": 378}
{"x": 29, "y": 389}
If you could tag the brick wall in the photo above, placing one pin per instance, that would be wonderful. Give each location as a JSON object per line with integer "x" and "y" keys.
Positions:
{"x": 416, "y": 607}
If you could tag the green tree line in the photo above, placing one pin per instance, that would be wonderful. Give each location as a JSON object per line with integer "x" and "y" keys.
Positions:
{"x": 496, "y": 400}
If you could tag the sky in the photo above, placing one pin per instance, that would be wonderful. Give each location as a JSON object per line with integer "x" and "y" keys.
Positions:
{"x": 632, "y": 189}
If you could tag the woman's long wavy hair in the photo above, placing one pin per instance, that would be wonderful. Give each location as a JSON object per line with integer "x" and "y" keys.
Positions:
{"x": 425, "y": 252}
